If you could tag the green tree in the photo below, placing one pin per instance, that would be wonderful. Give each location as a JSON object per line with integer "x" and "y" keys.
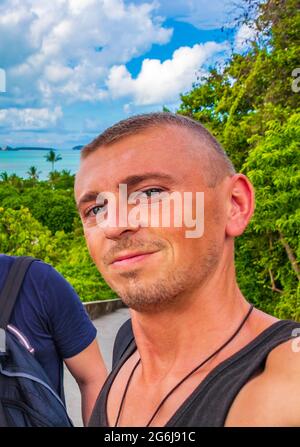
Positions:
{"x": 52, "y": 157}
{"x": 237, "y": 100}
{"x": 273, "y": 166}
{"x": 249, "y": 105}
{"x": 33, "y": 173}
{"x": 53, "y": 207}
{"x": 4, "y": 176}
{"x": 22, "y": 234}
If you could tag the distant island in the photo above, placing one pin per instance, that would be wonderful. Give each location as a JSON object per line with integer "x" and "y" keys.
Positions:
{"x": 30, "y": 148}
{"x": 25, "y": 148}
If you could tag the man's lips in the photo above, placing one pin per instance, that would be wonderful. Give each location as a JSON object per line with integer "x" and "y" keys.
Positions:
{"x": 130, "y": 258}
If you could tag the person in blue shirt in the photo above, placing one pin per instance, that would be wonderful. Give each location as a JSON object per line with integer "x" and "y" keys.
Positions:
{"x": 50, "y": 315}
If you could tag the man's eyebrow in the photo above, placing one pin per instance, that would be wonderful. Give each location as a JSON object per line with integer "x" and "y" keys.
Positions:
{"x": 89, "y": 196}
{"x": 133, "y": 180}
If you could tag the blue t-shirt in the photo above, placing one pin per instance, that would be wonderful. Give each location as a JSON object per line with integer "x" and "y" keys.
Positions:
{"x": 51, "y": 316}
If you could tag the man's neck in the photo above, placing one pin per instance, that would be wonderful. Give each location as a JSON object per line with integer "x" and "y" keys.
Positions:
{"x": 195, "y": 326}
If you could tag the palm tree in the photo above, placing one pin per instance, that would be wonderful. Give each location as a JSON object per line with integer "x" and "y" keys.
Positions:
{"x": 4, "y": 176}
{"x": 66, "y": 172}
{"x": 33, "y": 173}
{"x": 54, "y": 176}
{"x": 52, "y": 158}
{"x": 15, "y": 180}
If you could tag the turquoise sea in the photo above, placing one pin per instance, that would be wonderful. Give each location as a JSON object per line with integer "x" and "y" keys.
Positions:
{"x": 19, "y": 162}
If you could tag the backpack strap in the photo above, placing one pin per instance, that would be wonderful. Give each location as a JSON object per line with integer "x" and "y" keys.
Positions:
{"x": 3, "y": 418}
{"x": 12, "y": 286}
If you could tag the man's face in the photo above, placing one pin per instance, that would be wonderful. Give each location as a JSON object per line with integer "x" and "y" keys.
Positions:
{"x": 167, "y": 264}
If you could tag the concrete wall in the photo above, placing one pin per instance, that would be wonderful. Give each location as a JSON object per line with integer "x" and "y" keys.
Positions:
{"x": 96, "y": 309}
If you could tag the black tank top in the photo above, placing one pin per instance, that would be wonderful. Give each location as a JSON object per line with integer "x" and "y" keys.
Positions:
{"x": 209, "y": 404}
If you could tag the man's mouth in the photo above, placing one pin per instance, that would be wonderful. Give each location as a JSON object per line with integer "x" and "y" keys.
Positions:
{"x": 130, "y": 258}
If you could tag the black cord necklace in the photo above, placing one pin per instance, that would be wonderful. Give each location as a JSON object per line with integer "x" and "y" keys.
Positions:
{"x": 185, "y": 378}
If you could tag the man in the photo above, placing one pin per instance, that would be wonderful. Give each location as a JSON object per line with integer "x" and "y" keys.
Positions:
{"x": 49, "y": 313}
{"x": 201, "y": 356}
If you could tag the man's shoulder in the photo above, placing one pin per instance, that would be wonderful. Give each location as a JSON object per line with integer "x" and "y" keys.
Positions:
{"x": 282, "y": 340}
{"x": 272, "y": 396}
{"x": 279, "y": 383}
{"x": 284, "y": 359}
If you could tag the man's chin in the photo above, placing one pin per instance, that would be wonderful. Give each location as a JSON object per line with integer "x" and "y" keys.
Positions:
{"x": 151, "y": 299}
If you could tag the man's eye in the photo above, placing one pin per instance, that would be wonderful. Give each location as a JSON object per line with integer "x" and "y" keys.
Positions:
{"x": 152, "y": 192}
{"x": 96, "y": 210}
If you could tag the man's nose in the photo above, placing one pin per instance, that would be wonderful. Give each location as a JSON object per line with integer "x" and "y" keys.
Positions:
{"x": 118, "y": 232}
{"x": 118, "y": 226}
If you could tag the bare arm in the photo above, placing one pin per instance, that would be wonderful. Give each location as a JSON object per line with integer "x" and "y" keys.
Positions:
{"x": 89, "y": 371}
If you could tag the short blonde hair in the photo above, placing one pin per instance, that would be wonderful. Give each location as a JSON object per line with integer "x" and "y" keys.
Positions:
{"x": 221, "y": 165}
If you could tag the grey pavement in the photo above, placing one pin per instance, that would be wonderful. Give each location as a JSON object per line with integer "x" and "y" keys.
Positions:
{"x": 107, "y": 328}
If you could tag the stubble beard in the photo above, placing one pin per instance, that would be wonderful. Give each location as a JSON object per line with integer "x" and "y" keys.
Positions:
{"x": 170, "y": 288}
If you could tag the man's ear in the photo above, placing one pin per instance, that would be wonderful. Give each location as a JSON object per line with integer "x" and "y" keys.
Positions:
{"x": 241, "y": 205}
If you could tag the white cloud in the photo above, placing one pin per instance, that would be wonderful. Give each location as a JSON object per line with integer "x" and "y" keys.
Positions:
{"x": 127, "y": 108}
{"x": 243, "y": 37}
{"x": 65, "y": 51}
{"x": 16, "y": 41}
{"x": 161, "y": 82}
{"x": 65, "y": 48}
{"x": 2, "y": 80}
{"x": 30, "y": 119}
{"x": 202, "y": 14}
{"x": 92, "y": 125}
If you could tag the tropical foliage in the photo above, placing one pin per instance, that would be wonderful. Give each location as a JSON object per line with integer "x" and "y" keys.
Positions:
{"x": 250, "y": 106}
{"x": 40, "y": 219}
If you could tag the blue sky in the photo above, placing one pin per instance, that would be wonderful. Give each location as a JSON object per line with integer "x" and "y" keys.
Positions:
{"x": 74, "y": 67}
